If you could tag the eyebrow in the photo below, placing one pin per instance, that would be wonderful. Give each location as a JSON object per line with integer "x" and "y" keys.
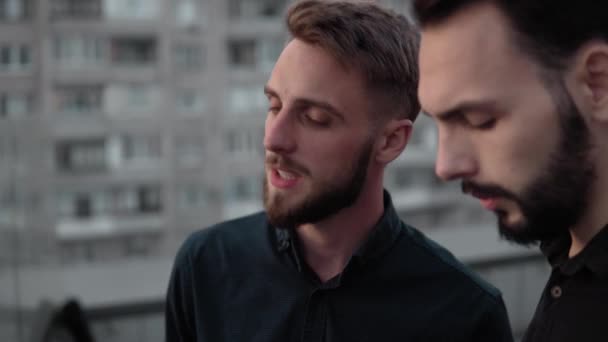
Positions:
{"x": 466, "y": 107}
{"x": 305, "y": 102}
{"x": 268, "y": 91}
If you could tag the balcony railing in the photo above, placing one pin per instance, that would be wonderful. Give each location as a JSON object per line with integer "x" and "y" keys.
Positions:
{"x": 76, "y": 9}
{"x": 108, "y": 226}
{"x": 143, "y": 320}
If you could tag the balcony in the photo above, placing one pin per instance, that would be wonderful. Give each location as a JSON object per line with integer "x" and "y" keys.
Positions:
{"x": 83, "y": 156}
{"x": 75, "y": 9}
{"x": 257, "y": 10}
{"x": 246, "y": 55}
{"x": 133, "y": 52}
{"x": 108, "y": 226}
{"x": 15, "y": 10}
{"x": 16, "y": 59}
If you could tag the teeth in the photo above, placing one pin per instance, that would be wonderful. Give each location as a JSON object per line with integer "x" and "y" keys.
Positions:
{"x": 286, "y": 175}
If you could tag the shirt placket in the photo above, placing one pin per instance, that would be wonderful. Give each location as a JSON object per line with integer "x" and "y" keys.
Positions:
{"x": 553, "y": 297}
{"x": 316, "y": 317}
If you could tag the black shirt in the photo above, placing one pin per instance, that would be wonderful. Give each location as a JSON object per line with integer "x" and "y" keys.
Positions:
{"x": 244, "y": 280}
{"x": 574, "y": 304}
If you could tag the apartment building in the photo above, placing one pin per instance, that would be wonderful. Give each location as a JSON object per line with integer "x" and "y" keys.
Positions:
{"x": 127, "y": 124}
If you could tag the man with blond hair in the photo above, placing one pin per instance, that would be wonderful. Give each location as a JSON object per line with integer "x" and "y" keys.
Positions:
{"x": 329, "y": 259}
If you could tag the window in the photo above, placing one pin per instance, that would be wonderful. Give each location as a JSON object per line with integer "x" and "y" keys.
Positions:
{"x": 269, "y": 51}
{"x": 246, "y": 99}
{"x": 132, "y": 98}
{"x": 193, "y": 196}
{"x": 243, "y": 189}
{"x": 133, "y": 51}
{"x": 189, "y": 101}
{"x": 141, "y": 147}
{"x": 76, "y": 9}
{"x": 15, "y": 105}
{"x": 129, "y": 200}
{"x": 149, "y": 199}
{"x": 255, "y": 54}
{"x": 243, "y": 141}
{"x": 255, "y": 9}
{"x": 83, "y": 207}
{"x": 188, "y": 57}
{"x": 81, "y": 204}
{"x": 124, "y": 200}
{"x": 242, "y": 54}
{"x": 84, "y": 155}
{"x": 12, "y": 10}
{"x": 186, "y": 13}
{"x": 132, "y": 9}
{"x": 113, "y": 201}
{"x": 79, "y": 99}
{"x": 15, "y": 57}
{"x": 76, "y": 51}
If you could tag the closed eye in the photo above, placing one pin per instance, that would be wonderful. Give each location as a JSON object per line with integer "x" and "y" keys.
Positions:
{"x": 274, "y": 110}
{"x": 488, "y": 124}
{"x": 317, "y": 117}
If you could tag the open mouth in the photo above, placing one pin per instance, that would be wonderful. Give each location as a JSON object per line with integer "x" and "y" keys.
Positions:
{"x": 283, "y": 179}
{"x": 488, "y": 202}
{"x": 286, "y": 175}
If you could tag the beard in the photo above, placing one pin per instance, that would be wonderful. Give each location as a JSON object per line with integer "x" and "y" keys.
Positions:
{"x": 556, "y": 200}
{"x": 325, "y": 200}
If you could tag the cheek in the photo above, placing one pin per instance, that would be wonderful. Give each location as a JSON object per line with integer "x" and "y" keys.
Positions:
{"x": 330, "y": 158}
{"x": 335, "y": 149}
{"x": 517, "y": 157}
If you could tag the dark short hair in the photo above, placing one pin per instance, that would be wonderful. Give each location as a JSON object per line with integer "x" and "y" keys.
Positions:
{"x": 380, "y": 43}
{"x": 550, "y": 31}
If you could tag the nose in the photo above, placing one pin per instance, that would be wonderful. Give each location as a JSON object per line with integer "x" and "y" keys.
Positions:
{"x": 279, "y": 133}
{"x": 455, "y": 159}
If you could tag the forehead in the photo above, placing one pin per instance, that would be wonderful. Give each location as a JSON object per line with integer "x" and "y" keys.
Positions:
{"x": 472, "y": 56}
{"x": 308, "y": 71}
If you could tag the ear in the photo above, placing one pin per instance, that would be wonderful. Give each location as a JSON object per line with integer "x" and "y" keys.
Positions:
{"x": 394, "y": 138}
{"x": 589, "y": 85}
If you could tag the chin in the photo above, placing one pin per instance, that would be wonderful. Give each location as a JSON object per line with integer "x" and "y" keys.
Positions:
{"x": 518, "y": 232}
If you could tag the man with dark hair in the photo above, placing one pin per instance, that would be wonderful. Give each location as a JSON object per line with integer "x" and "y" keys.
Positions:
{"x": 519, "y": 92}
{"x": 329, "y": 259}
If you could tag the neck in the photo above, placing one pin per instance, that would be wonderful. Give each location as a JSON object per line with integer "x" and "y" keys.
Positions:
{"x": 329, "y": 244}
{"x": 596, "y": 216}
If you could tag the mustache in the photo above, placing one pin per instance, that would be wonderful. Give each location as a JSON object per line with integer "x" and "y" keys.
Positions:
{"x": 278, "y": 161}
{"x": 486, "y": 190}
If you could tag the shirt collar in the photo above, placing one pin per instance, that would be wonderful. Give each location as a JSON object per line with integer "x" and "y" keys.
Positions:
{"x": 381, "y": 237}
{"x": 593, "y": 257}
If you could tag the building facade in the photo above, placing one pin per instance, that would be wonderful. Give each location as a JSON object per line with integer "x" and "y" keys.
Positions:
{"x": 125, "y": 125}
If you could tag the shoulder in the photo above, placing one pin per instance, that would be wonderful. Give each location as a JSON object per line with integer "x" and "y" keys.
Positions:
{"x": 437, "y": 259}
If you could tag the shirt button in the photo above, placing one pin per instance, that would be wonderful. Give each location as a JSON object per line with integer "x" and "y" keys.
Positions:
{"x": 284, "y": 244}
{"x": 556, "y": 291}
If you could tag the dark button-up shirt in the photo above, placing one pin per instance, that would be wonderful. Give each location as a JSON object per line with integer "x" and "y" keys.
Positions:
{"x": 244, "y": 280}
{"x": 574, "y": 304}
